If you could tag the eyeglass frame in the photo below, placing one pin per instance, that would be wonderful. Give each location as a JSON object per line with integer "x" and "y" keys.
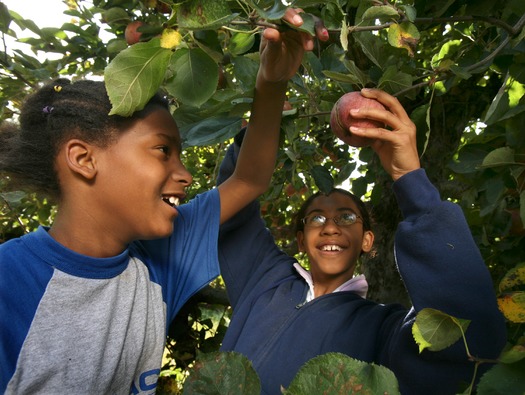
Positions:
{"x": 336, "y": 220}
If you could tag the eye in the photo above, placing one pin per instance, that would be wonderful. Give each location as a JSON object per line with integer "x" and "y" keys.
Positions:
{"x": 317, "y": 219}
{"x": 347, "y": 219}
{"x": 164, "y": 149}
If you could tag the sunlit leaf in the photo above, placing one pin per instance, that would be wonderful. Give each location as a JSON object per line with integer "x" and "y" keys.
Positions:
{"x": 241, "y": 43}
{"x": 204, "y": 14}
{"x": 222, "y": 373}
{"x": 498, "y": 107}
{"x": 404, "y": 35}
{"x": 512, "y": 305}
{"x": 514, "y": 277}
{"x": 339, "y": 374}
{"x": 135, "y": 75}
{"x": 436, "y": 330}
{"x": 195, "y": 76}
{"x": 378, "y": 12}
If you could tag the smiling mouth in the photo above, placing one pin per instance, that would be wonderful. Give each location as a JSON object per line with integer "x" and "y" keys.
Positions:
{"x": 331, "y": 247}
{"x": 172, "y": 201}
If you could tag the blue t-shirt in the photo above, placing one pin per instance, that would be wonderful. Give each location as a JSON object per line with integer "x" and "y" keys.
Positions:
{"x": 75, "y": 324}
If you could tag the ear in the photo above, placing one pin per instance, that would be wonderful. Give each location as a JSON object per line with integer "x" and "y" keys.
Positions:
{"x": 300, "y": 241}
{"x": 80, "y": 158}
{"x": 368, "y": 241}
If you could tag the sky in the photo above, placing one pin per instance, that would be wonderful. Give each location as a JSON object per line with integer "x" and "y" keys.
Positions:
{"x": 45, "y": 13}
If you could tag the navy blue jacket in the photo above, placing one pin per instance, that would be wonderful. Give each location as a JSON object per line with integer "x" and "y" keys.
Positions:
{"x": 441, "y": 267}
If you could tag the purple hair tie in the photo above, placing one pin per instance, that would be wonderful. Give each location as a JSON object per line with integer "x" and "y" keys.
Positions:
{"x": 48, "y": 109}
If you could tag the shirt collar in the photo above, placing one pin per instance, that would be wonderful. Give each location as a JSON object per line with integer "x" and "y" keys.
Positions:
{"x": 357, "y": 284}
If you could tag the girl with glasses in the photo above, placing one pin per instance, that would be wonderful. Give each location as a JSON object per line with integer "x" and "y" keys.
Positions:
{"x": 284, "y": 315}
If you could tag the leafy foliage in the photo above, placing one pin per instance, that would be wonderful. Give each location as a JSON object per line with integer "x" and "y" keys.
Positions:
{"x": 456, "y": 66}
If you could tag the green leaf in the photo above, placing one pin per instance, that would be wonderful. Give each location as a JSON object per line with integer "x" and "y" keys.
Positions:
{"x": 378, "y": 12}
{"x": 522, "y": 207}
{"x": 115, "y": 15}
{"x": 339, "y": 374}
{"x": 14, "y": 199}
{"x": 135, "y": 75}
{"x": 498, "y": 107}
{"x": 436, "y": 330}
{"x": 503, "y": 156}
{"x": 210, "y": 131}
{"x": 5, "y": 18}
{"x": 513, "y": 354}
{"x": 222, "y": 373}
{"x": 394, "y": 80}
{"x": 503, "y": 379}
{"x": 323, "y": 179}
{"x": 241, "y": 43}
{"x": 195, "y": 76}
{"x": 341, "y": 77}
{"x": 271, "y": 11}
{"x": 204, "y": 14}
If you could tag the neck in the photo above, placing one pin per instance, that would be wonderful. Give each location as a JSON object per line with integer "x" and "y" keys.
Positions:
{"x": 79, "y": 235}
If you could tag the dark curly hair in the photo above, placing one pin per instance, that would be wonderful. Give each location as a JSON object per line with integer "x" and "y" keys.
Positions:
{"x": 57, "y": 112}
{"x": 361, "y": 206}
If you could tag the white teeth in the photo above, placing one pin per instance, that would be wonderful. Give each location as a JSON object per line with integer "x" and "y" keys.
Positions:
{"x": 331, "y": 248}
{"x": 172, "y": 200}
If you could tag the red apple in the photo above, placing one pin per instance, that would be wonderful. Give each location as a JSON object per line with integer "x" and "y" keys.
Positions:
{"x": 131, "y": 33}
{"x": 341, "y": 120}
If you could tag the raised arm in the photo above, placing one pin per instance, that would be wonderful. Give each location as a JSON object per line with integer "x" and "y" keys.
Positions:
{"x": 438, "y": 259}
{"x": 281, "y": 55}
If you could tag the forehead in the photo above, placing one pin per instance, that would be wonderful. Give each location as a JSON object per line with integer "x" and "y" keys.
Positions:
{"x": 334, "y": 202}
{"x": 155, "y": 120}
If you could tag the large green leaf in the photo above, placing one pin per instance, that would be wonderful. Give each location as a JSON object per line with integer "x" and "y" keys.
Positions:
{"x": 220, "y": 373}
{"x": 135, "y": 75}
{"x": 503, "y": 379}
{"x": 436, "y": 330}
{"x": 210, "y": 131}
{"x": 338, "y": 374}
{"x": 195, "y": 76}
{"x": 503, "y": 156}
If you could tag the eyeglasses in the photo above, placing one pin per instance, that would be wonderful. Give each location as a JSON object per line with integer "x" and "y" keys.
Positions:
{"x": 318, "y": 220}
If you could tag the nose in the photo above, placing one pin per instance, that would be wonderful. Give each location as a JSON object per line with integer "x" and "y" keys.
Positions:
{"x": 181, "y": 175}
{"x": 330, "y": 227}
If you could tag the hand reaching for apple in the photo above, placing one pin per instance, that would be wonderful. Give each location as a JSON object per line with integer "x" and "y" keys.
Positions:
{"x": 282, "y": 51}
{"x": 396, "y": 146}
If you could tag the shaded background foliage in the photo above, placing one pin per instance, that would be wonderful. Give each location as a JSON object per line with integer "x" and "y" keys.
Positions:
{"x": 458, "y": 67}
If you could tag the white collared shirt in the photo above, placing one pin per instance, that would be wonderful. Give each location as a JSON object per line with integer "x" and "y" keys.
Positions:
{"x": 356, "y": 284}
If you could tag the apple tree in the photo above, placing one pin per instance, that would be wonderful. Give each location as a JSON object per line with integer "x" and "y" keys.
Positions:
{"x": 457, "y": 66}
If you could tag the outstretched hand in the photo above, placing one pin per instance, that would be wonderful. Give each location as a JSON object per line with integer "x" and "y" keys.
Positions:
{"x": 282, "y": 51}
{"x": 397, "y": 147}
